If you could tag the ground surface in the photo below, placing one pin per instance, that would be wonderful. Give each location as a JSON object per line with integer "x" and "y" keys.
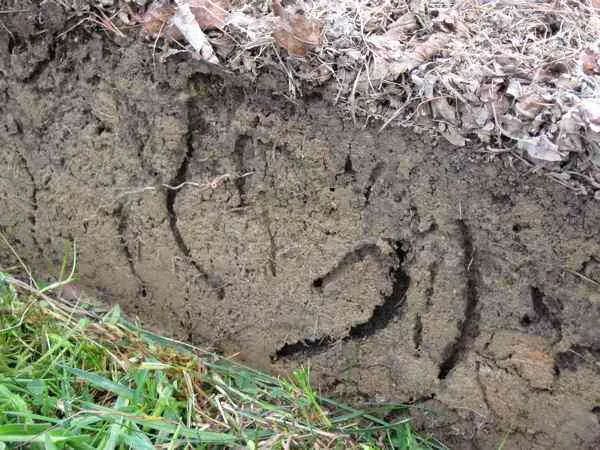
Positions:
{"x": 398, "y": 267}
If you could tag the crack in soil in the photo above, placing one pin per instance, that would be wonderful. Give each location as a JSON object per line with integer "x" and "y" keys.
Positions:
{"x": 381, "y": 317}
{"x": 34, "y": 204}
{"x": 544, "y": 312}
{"x": 373, "y": 176}
{"x": 242, "y": 143}
{"x": 596, "y": 411}
{"x": 433, "y": 270}
{"x": 40, "y": 66}
{"x": 195, "y": 125}
{"x": 469, "y": 327}
{"x": 418, "y": 332}
{"x": 142, "y": 143}
{"x": 122, "y": 224}
{"x": 272, "y": 247}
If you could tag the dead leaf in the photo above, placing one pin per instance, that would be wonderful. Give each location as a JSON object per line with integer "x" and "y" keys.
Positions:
{"x": 406, "y": 23}
{"x": 390, "y": 60}
{"x": 434, "y": 44}
{"x": 540, "y": 147}
{"x": 590, "y": 111}
{"x": 294, "y": 32}
{"x": 511, "y": 124}
{"x": 569, "y": 138}
{"x": 443, "y": 109}
{"x": 454, "y": 137}
{"x": 155, "y": 19}
{"x": 529, "y": 106}
{"x": 590, "y": 61}
{"x": 210, "y": 14}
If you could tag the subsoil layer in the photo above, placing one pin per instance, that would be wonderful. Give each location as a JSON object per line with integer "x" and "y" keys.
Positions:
{"x": 401, "y": 269}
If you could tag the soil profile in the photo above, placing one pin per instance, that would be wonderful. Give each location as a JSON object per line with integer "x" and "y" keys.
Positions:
{"x": 217, "y": 210}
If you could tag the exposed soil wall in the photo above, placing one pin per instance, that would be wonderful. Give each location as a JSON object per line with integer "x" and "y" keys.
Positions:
{"x": 400, "y": 268}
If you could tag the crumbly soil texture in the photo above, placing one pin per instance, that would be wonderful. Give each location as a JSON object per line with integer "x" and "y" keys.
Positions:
{"x": 216, "y": 209}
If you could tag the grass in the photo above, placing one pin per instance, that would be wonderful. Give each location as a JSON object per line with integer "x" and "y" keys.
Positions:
{"x": 72, "y": 380}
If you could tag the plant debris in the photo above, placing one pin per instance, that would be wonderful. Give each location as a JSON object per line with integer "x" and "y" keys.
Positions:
{"x": 209, "y": 14}
{"x": 185, "y": 21}
{"x": 519, "y": 76}
{"x": 295, "y": 32}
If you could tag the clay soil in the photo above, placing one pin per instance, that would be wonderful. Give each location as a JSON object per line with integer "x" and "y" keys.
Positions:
{"x": 400, "y": 268}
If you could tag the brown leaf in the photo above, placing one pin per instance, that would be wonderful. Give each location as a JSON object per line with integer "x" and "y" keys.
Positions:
{"x": 294, "y": 32}
{"x": 156, "y": 17}
{"x": 529, "y": 106}
{"x": 590, "y": 61}
{"x": 542, "y": 148}
{"x": 431, "y": 47}
{"x": 390, "y": 61}
{"x": 406, "y": 23}
{"x": 210, "y": 14}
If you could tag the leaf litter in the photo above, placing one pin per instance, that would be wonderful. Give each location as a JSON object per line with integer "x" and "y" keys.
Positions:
{"x": 519, "y": 78}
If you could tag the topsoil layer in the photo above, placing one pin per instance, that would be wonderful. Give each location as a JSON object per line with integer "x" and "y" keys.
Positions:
{"x": 393, "y": 264}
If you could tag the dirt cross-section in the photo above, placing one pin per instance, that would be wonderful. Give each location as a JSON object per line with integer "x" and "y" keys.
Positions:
{"x": 221, "y": 210}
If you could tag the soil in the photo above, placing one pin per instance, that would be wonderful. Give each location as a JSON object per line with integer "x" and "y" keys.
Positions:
{"x": 400, "y": 268}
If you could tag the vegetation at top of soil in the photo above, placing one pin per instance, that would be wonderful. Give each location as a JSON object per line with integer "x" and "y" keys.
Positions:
{"x": 71, "y": 379}
{"x": 446, "y": 67}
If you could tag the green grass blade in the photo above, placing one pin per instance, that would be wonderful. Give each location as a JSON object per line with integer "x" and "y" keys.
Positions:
{"x": 17, "y": 432}
{"x": 48, "y": 444}
{"x": 101, "y": 382}
{"x": 135, "y": 438}
{"x": 116, "y": 428}
{"x": 12, "y": 401}
{"x": 200, "y": 436}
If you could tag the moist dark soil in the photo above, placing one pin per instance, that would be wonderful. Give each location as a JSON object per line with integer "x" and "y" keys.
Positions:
{"x": 400, "y": 268}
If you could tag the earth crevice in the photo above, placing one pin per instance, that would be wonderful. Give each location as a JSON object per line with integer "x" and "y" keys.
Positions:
{"x": 195, "y": 124}
{"x": 381, "y": 316}
{"x": 33, "y": 202}
{"x": 242, "y": 144}
{"x": 469, "y": 326}
{"x": 373, "y": 177}
{"x": 272, "y": 263}
{"x": 122, "y": 217}
{"x": 40, "y": 66}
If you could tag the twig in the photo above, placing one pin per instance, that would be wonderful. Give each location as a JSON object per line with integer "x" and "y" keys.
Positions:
{"x": 353, "y": 96}
{"x": 583, "y": 277}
